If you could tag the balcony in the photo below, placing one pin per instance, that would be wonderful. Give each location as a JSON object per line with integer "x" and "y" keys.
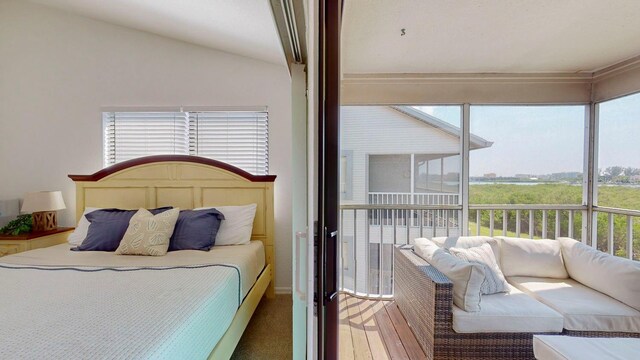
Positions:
{"x": 369, "y": 231}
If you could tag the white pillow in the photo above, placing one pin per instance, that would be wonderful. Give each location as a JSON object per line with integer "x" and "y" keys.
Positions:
{"x": 467, "y": 278}
{"x": 528, "y": 257}
{"x": 237, "y": 225}
{"x": 80, "y": 233}
{"x": 466, "y": 242}
{"x": 612, "y": 275}
{"x": 494, "y": 281}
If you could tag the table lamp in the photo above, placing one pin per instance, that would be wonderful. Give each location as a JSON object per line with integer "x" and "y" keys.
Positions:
{"x": 43, "y": 206}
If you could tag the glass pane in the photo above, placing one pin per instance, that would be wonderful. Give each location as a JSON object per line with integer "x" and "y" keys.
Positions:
{"x": 619, "y": 172}
{"x": 526, "y": 155}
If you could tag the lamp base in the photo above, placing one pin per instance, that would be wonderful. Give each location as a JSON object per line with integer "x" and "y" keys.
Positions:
{"x": 44, "y": 221}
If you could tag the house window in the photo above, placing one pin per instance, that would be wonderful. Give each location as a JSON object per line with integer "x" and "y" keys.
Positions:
{"x": 239, "y": 138}
{"x": 346, "y": 175}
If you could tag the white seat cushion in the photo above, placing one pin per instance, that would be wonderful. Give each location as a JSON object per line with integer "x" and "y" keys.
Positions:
{"x": 514, "y": 311}
{"x": 612, "y": 275}
{"x": 583, "y": 308}
{"x": 554, "y": 347}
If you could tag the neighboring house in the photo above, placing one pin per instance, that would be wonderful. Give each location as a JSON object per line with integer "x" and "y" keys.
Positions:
{"x": 395, "y": 155}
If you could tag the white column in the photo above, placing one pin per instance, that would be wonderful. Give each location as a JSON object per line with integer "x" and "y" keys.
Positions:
{"x": 464, "y": 189}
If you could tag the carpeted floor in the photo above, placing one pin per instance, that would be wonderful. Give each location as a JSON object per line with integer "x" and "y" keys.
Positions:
{"x": 269, "y": 333}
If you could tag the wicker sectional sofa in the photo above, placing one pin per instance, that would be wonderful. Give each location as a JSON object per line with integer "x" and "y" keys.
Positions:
{"x": 425, "y": 297}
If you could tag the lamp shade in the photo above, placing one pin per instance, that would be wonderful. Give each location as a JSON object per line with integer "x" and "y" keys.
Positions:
{"x": 43, "y": 201}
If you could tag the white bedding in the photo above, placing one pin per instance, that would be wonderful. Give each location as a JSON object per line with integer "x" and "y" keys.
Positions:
{"x": 59, "y": 304}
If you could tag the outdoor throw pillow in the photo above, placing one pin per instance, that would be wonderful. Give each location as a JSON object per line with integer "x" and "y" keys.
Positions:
{"x": 148, "y": 234}
{"x": 494, "y": 281}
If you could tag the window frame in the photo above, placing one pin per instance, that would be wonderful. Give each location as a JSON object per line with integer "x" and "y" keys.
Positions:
{"x": 191, "y": 139}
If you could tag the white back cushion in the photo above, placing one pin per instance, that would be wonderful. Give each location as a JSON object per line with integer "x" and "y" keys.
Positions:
{"x": 467, "y": 278}
{"x": 80, "y": 233}
{"x": 237, "y": 225}
{"x": 612, "y": 275}
{"x": 466, "y": 242}
{"x": 528, "y": 257}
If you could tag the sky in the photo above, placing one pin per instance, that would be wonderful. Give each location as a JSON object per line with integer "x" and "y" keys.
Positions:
{"x": 541, "y": 140}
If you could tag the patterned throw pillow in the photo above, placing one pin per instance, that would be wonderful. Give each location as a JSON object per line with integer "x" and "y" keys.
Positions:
{"x": 494, "y": 281}
{"x": 148, "y": 234}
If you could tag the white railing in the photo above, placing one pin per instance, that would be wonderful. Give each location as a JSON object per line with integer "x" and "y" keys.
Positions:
{"x": 621, "y": 240}
{"x": 369, "y": 232}
{"x": 387, "y": 198}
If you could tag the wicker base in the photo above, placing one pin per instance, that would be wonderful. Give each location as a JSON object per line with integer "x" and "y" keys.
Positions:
{"x": 600, "y": 334}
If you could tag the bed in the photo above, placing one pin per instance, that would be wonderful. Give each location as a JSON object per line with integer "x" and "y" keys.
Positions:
{"x": 186, "y": 304}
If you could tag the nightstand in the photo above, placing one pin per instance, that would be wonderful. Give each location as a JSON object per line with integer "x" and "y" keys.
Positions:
{"x": 13, "y": 244}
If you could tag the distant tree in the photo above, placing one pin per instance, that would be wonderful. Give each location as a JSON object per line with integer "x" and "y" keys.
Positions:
{"x": 613, "y": 171}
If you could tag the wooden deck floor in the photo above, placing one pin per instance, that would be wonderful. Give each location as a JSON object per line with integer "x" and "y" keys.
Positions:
{"x": 375, "y": 330}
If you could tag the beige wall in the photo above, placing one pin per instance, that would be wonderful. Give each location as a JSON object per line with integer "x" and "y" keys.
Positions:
{"x": 58, "y": 70}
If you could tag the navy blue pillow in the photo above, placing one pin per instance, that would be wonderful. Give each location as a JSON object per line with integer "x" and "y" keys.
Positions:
{"x": 196, "y": 230}
{"x": 107, "y": 228}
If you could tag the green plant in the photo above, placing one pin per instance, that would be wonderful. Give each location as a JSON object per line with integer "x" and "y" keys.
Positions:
{"x": 22, "y": 224}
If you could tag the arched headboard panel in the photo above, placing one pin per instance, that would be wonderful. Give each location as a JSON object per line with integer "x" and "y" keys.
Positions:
{"x": 182, "y": 181}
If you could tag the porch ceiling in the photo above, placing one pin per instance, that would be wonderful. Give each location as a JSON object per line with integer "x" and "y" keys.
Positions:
{"x": 488, "y": 36}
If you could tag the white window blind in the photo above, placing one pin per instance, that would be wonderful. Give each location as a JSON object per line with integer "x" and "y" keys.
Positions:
{"x": 239, "y": 138}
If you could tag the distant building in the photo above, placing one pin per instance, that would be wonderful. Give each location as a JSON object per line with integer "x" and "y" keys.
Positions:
{"x": 524, "y": 176}
{"x": 490, "y": 175}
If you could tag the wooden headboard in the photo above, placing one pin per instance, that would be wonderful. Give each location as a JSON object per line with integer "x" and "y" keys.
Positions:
{"x": 181, "y": 181}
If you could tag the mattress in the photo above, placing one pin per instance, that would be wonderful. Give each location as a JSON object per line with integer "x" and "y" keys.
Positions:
{"x": 59, "y": 304}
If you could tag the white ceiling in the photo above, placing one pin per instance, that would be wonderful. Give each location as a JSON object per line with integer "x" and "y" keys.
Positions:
{"x": 243, "y": 27}
{"x": 487, "y": 36}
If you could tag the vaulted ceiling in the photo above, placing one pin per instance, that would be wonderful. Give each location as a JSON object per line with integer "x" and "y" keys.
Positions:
{"x": 488, "y": 36}
{"x": 243, "y": 27}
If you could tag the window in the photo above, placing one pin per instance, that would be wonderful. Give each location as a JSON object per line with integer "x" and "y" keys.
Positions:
{"x": 239, "y": 138}
{"x": 346, "y": 175}
{"x": 619, "y": 176}
{"x": 531, "y": 155}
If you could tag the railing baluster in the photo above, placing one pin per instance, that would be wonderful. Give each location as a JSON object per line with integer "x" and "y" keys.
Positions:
{"x": 380, "y": 263}
{"x": 532, "y": 227}
{"x": 518, "y": 223}
{"x": 504, "y": 222}
{"x": 433, "y": 224}
{"x": 570, "y": 229}
{"x": 367, "y": 254}
{"x": 491, "y": 222}
{"x": 355, "y": 251}
{"x": 341, "y": 248}
{"x": 393, "y": 255}
{"x": 420, "y": 222}
{"x": 478, "y": 215}
{"x": 407, "y": 221}
{"x": 544, "y": 224}
{"x": 630, "y": 237}
{"x": 557, "y": 229}
{"x": 446, "y": 221}
{"x": 611, "y": 230}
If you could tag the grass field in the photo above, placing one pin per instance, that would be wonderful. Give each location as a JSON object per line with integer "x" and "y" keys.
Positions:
{"x": 609, "y": 196}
